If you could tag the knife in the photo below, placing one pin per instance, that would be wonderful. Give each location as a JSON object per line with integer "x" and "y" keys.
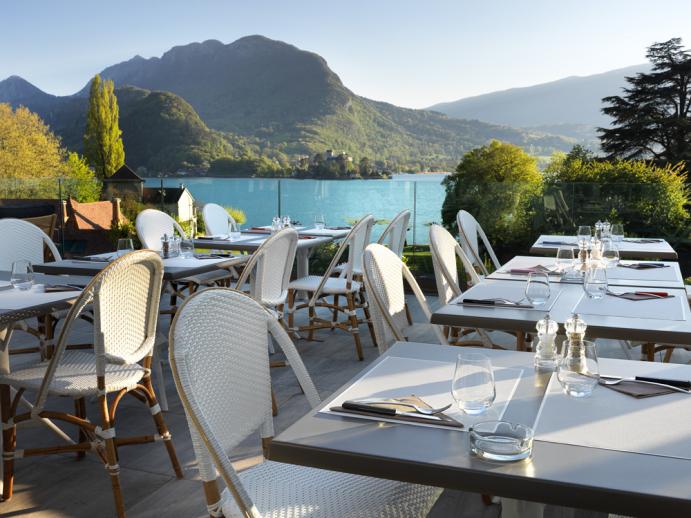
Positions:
{"x": 565, "y": 243}
{"x": 495, "y": 303}
{"x": 384, "y": 411}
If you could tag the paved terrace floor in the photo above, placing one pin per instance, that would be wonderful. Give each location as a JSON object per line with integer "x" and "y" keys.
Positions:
{"x": 61, "y": 485}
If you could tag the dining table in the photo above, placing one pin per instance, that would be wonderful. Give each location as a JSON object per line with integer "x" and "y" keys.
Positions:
{"x": 610, "y": 452}
{"x": 249, "y": 240}
{"x": 629, "y": 247}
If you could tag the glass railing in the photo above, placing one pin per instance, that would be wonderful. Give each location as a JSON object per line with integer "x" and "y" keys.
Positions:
{"x": 513, "y": 215}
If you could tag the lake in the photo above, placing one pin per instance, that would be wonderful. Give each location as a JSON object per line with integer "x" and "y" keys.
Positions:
{"x": 340, "y": 201}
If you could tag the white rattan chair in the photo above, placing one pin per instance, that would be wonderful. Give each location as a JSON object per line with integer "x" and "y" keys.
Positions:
{"x": 124, "y": 297}
{"x": 444, "y": 250}
{"x": 218, "y": 353}
{"x": 468, "y": 231}
{"x": 217, "y": 221}
{"x": 318, "y": 288}
{"x": 384, "y": 273}
{"x": 395, "y": 233}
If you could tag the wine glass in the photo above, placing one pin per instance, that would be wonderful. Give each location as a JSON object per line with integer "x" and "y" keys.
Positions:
{"x": 473, "y": 383}
{"x": 595, "y": 283}
{"x": 610, "y": 253}
{"x": 187, "y": 248}
{"x": 22, "y": 276}
{"x": 125, "y": 246}
{"x": 319, "y": 223}
{"x": 565, "y": 258}
{"x": 537, "y": 288}
{"x": 617, "y": 232}
{"x": 584, "y": 234}
{"x": 286, "y": 221}
{"x": 276, "y": 224}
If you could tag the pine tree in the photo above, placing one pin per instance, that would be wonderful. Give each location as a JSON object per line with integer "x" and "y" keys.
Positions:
{"x": 103, "y": 146}
{"x": 652, "y": 119}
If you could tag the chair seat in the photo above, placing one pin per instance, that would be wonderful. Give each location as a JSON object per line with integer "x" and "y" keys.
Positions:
{"x": 332, "y": 286}
{"x": 280, "y": 490}
{"x": 75, "y": 375}
{"x": 339, "y": 268}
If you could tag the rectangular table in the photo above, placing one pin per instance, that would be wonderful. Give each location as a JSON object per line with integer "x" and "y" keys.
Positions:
{"x": 641, "y": 324}
{"x": 627, "y": 248}
{"x": 250, "y": 242}
{"x": 174, "y": 269}
{"x": 668, "y": 277}
{"x": 561, "y": 474}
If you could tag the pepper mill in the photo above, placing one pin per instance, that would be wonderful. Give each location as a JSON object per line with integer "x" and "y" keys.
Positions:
{"x": 546, "y": 357}
{"x": 165, "y": 246}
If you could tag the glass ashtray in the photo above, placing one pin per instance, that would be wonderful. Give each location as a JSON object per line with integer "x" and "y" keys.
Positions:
{"x": 501, "y": 441}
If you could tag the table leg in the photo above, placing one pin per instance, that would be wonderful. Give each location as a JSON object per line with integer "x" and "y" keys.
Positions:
{"x": 520, "y": 341}
{"x": 303, "y": 267}
{"x": 648, "y": 352}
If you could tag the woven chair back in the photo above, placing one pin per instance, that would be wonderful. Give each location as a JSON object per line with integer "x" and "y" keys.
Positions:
{"x": 23, "y": 240}
{"x": 217, "y": 221}
{"x": 271, "y": 265}
{"x": 395, "y": 233}
{"x": 152, "y": 225}
{"x": 468, "y": 232}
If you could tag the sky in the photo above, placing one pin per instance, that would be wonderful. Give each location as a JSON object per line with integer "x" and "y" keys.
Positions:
{"x": 410, "y": 53}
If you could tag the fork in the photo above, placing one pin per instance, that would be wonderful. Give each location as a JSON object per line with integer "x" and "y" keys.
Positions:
{"x": 616, "y": 381}
{"x": 394, "y": 401}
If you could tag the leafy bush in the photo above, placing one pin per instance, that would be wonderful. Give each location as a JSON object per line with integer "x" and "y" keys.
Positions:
{"x": 237, "y": 214}
{"x": 498, "y": 184}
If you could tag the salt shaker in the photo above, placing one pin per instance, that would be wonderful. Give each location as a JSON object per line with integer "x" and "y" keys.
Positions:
{"x": 546, "y": 357}
{"x": 578, "y": 371}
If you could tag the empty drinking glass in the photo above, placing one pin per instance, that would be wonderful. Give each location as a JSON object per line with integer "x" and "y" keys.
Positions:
{"x": 595, "y": 283}
{"x": 617, "y": 232}
{"x": 125, "y": 246}
{"x": 610, "y": 253}
{"x": 22, "y": 276}
{"x": 473, "y": 383}
{"x": 286, "y": 222}
{"x": 584, "y": 234}
{"x": 578, "y": 371}
{"x": 565, "y": 258}
{"x": 276, "y": 224}
{"x": 319, "y": 222}
{"x": 537, "y": 288}
{"x": 187, "y": 248}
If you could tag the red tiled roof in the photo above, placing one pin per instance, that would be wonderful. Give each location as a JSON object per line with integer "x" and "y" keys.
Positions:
{"x": 90, "y": 216}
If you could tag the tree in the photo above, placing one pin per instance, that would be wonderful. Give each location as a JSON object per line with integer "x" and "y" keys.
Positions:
{"x": 31, "y": 155}
{"x": 651, "y": 119}
{"x": 103, "y": 146}
{"x": 498, "y": 184}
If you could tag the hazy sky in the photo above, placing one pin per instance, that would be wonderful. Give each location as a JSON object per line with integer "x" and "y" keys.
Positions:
{"x": 411, "y": 53}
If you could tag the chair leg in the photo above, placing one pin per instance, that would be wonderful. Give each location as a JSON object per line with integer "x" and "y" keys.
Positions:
{"x": 668, "y": 355}
{"x": 408, "y": 316}
{"x": 354, "y": 325}
{"x": 157, "y": 369}
{"x": 274, "y": 403}
{"x": 80, "y": 411}
{"x": 9, "y": 438}
{"x": 291, "y": 309}
{"x": 161, "y": 425}
{"x": 112, "y": 465}
{"x": 334, "y": 313}
{"x": 312, "y": 315}
{"x": 368, "y": 317}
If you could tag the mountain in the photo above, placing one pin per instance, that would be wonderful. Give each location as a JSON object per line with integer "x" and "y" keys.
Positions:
{"x": 266, "y": 97}
{"x": 569, "y": 106}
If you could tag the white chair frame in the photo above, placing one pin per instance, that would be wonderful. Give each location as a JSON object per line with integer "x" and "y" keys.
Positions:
{"x": 468, "y": 231}
{"x": 217, "y": 221}
{"x": 394, "y": 234}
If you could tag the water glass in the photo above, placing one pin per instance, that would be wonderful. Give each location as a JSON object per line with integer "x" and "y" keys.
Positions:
{"x": 595, "y": 283}
{"x": 584, "y": 234}
{"x": 610, "y": 253}
{"x": 22, "y": 276}
{"x": 617, "y": 232}
{"x": 187, "y": 248}
{"x": 125, "y": 246}
{"x": 565, "y": 258}
{"x": 276, "y": 224}
{"x": 286, "y": 222}
{"x": 537, "y": 288}
{"x": 578, "y": 371}
{"x": 473, "y": 383}
{"x": 319, "y": 222}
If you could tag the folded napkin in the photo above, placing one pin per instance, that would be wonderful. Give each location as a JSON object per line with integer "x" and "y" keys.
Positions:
{"x": 643, "y": 266}
{"x": 641, "y": 295}
{"x": 338, "y": 228}
{"x": 257, "y": 230}
{"x": 444, "y": 420}
{"x": 531, "y": 269}
{"x": 57, "y": 288}
{"x": 212, "y": 256}
{"x": 92, "y": 259}
{"x": 565, "y": 243}
{"x": 217, "y": 237}
{"x": 307, "y": 237}
{"x": 643, "y": 240}
{"x": 639, "y": 390}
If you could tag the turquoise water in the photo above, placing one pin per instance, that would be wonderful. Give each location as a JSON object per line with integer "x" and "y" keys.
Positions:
{"x": 340, "y": 201}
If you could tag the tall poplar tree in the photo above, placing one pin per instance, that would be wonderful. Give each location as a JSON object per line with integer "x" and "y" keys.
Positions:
{"x": 102, "y": 139}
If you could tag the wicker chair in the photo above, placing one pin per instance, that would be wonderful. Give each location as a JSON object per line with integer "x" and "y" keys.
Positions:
{"x": 218, "y": 353}
{"x": 318, "y": 288}
{"x": 468, "y": 231}
{"x": 444, "y": 250}
{"x": 395, "y": 233}
{"x": 217, "y": 221}
{"x": 384, "y": 273}
{"x": 125, "y": 297}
